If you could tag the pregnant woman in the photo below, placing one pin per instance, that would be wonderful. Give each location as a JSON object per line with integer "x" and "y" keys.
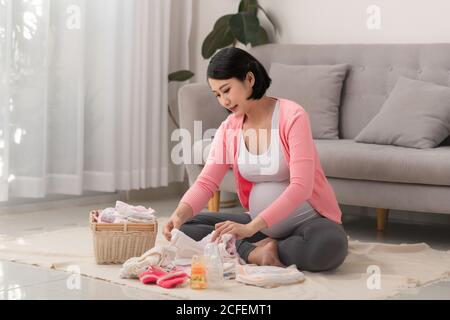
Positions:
{"x": 293, "y": 216}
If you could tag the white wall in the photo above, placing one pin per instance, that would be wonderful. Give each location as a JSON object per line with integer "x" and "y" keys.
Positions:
{"x": 331, "y": 21}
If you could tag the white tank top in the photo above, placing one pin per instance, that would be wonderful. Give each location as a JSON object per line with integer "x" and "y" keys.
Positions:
{"x": 270, "y": 174}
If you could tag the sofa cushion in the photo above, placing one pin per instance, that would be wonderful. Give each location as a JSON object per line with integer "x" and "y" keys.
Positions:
{"x": 348, "y": 159}
{"x": 416, "y": 115}
{"x": 317, "y": 88}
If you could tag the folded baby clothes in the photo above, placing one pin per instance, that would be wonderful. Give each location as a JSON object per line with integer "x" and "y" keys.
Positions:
{"x": 125, "y": 213}
{"x": 268, "y": 276}
{"x": 107, "y": 215}
{"x": 135, "y": 213}
{"x": 161, "y": 256}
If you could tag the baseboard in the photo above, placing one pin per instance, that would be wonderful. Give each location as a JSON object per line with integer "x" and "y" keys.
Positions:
{"x": 32, "y": 205}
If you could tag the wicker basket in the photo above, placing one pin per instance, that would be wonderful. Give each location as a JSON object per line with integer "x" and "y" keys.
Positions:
{"x": 115, "y": 243}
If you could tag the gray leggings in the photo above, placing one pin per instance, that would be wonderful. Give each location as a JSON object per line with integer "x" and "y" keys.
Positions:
{"x": 317, "y": 244}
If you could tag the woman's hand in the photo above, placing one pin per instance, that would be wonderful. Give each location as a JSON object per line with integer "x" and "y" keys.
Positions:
{"x": 177, "y": 219}
{"x": 241, "y": 231}
{"x": 174, "y": 222}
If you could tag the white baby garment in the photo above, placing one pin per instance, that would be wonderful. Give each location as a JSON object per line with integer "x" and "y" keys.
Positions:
{"x": 186, "y": 247}
{"x": 268, "y": 276}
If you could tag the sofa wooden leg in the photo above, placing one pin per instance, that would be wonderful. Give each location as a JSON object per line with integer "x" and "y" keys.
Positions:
{"x": 214, "y": 202}
{"x": 382, "y": 218}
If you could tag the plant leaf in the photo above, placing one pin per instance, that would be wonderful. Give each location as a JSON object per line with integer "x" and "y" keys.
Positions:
{"x": 245, "y": 26}
{"x": 250, "y": 6}
{"x": 180, "y": 75}
{"x": 220, "y": 37}
{"x": 269, "y": 18}
{"x": 261, "y": 38}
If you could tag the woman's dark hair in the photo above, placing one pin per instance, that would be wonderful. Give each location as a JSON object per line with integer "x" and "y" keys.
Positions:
{"x": 236, "y": 63}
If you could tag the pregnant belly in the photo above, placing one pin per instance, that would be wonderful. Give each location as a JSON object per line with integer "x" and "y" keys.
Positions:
{"x": 263, "y": 194}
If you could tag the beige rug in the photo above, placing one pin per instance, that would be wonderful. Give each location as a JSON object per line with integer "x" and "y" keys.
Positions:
{"x": 371, "y": 270}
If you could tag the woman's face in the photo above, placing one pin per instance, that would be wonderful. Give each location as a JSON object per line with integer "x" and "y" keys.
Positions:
{"x": 233, "y": 93}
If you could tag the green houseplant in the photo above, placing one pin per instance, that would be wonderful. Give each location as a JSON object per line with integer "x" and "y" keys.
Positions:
{"x": 243, "y": 27}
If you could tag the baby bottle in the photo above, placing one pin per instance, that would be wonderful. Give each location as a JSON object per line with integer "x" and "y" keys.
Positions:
{"x": 214, "y": 266}
{"x": 198, "y": 273}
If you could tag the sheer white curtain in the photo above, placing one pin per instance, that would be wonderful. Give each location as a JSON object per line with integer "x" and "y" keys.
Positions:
{"x": 84, "y": 94}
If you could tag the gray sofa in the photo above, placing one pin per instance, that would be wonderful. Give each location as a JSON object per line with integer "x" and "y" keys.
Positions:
{"x": 368, "y": 175}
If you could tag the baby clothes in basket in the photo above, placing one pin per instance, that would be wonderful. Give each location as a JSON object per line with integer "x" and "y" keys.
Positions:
{"x": 124, "y": 212}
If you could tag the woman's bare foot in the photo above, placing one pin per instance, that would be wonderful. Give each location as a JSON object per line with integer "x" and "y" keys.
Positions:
{"x": 266, "y": 255}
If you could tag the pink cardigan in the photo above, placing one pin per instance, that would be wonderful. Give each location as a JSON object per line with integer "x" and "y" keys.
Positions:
{"x": 307, "y": 179}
